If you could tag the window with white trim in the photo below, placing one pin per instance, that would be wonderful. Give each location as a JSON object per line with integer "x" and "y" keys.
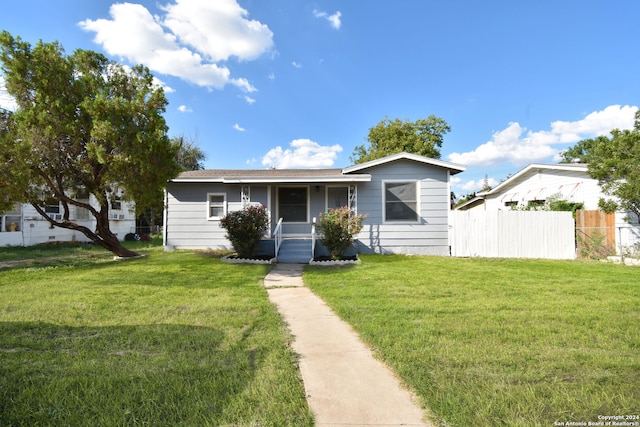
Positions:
{"x": 51, "y": 206}
{"x": 216, "y": 205}
{"x": 401, "y": 201}
{"x": 10, "y": 220}
{"x": 116, "y": 203}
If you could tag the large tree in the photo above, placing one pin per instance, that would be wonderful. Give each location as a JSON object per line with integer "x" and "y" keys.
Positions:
{"x": 423, "y": 137}
{"x": 615, "y": 162}
{"x": 188, "y": 157}
{"x": 84, "y": 125}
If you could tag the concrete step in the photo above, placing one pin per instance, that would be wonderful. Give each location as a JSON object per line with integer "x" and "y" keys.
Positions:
{"x": 295, "y": 251}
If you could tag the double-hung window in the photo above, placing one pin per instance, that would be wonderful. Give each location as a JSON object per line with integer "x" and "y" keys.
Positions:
{"x": 216, "y": 205}
{"x": 401, "y": 201}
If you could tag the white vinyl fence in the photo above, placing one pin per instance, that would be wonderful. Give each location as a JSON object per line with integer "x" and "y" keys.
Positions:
{"x": 512, "y": 234}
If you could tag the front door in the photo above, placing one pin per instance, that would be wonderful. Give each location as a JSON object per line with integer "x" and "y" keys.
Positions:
{"x": 293, "y": 208}
{"x": 337, "y": 197}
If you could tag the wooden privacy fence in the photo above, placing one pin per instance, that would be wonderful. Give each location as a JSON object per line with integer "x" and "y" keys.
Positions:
{"x": 512, "y": 234}
{"x": 595, "y": 234}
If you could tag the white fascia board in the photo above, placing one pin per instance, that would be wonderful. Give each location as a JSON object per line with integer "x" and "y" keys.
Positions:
{"x": 346, "y": 178}
{"x": 581, "y": 167}
{"x": 454, "y": 167}
{"x": 285, "y": 180}
{"x": 217, "y": 180}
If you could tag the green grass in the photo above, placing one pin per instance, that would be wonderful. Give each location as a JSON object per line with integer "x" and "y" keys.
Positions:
{"x": 66, "y": 253}
{"x": 170, "y": 339}
{"x": 498, "y": 342}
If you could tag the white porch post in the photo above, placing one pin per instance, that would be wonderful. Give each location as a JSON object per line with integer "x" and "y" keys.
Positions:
{"x": 269, "y": 209}
{"x": 353, "y": 199}
{"x": 245, "y": 195}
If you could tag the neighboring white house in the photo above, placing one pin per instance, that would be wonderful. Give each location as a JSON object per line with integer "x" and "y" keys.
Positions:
{"x": 24, "y": 226}
{"x": 536, "y": 183}
{"x": 405, "y": 197}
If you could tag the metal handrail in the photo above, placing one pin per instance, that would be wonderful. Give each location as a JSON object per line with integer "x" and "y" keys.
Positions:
{"x": 313, "y": 238}
{"x": 277, "y": 235}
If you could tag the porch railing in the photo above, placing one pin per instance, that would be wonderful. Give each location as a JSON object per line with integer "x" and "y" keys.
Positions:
{"x": 277, "y": 236}
{"x": 313, "y": 238}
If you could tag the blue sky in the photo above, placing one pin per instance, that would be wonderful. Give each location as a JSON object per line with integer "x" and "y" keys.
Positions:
{"x": 293, "y": 83}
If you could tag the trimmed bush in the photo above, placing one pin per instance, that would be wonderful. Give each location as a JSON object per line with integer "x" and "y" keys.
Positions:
{"x": 245, "y": 228}
{"x": 337, "y": 227}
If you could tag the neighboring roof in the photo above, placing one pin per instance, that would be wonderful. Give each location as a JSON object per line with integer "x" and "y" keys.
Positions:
{"x": 247, "y": 176}
{"x": 476, "y": 201}
{"x": 453, "y": 167}
{"x": 254, "y": 176}
{"x": 533, "y": 168}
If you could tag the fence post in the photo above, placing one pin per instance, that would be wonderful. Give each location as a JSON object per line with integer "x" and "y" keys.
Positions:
{"x": 620, "y": 240}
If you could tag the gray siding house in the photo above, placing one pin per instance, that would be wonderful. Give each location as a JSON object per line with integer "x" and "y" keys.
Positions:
{"x": 405, "y": 197}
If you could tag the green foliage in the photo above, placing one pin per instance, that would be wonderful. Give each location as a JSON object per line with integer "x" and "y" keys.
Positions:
{"x": 608, "y": 206}
{"x": 84, "y": 124}
{"x": 554, "y": 203}
{"x": 422, "y": 137}
{"x": 615, "y": 162}
{"x": 245, "y": 228}
{"x": 337, "y": 228}
{"x": 188, "y": 155}
{"x": 11, "y": 180}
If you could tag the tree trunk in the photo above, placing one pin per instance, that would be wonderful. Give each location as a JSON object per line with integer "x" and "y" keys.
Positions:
{"x": 111, "y": 243}
{"x": 102, "y": 235}
{"x": 105, "y": 238}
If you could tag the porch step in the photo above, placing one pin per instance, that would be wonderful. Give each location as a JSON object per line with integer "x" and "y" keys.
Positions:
{"x": 295, "y": 251}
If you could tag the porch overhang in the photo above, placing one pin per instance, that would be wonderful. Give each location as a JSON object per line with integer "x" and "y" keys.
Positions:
{"x": 282, "y": 176}
{"x": 318, "y": 180}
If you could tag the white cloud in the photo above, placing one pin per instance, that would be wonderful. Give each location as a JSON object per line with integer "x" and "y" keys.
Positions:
{"x": 187, "y": 42}
{"x": 185, "y": 109}
{"x": 271, "y": 76}
{"x": 7, "y": 101}
{"x": 520, "y": 146}
{"x": 218, "y": 29}
{"x": 238, "y": 128}
{"x": 334, "y": 19}
{"x": 249, "y": 100}
{"x": 296, "y": 65}
{"x": 303, "y": 153}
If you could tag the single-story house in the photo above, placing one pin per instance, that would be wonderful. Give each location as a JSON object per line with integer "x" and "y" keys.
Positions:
{"x": 536, "y": 183}
{"x": 405, "y": 197}
{"x": 24, "y": 226}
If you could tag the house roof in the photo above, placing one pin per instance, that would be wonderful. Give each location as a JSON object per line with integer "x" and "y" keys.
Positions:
{"x": 470, "y": 203}
{"x": 254, "y": 176}
{"x": 453, "y": 167}
{"x": 518, "y": 178}
{"x": 529, "y": 170}
{"x": 248, "y": 176}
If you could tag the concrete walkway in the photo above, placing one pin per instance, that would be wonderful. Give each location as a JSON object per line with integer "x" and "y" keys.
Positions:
{"x": 345, "y": 385}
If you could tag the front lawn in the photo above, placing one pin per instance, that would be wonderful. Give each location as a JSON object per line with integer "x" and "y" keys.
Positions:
{"x": 171, "y": 339}
{"x": 488, "y": 342}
